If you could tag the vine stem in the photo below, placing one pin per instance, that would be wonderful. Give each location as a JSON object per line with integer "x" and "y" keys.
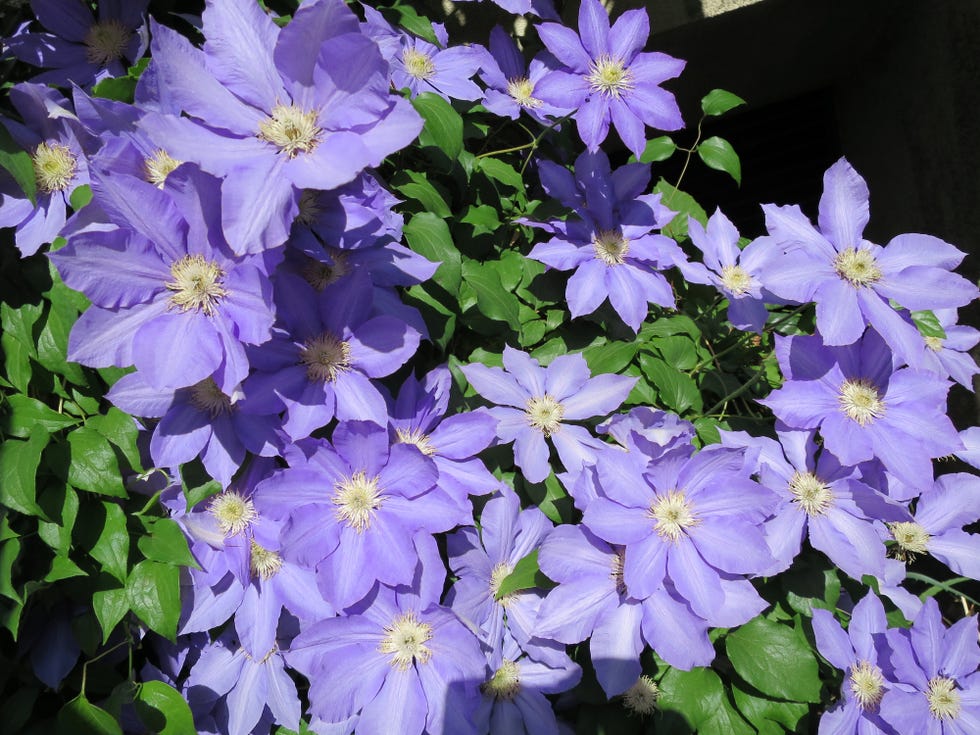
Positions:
{"x": 741, "y": 340}
{"x": 737, "y": 392}
{"x": 949, "y": 586}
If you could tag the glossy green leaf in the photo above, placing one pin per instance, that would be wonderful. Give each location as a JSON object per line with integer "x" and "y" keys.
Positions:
{"x": 428, "y": 235}
{"x": 18, "y": 163}
{"x": 166, "y": 543}
{"x": 775, "y": 659}
{"x": 153, "y": 592}
{"x": 768, "y": 715}
{"x": 28, "y": 414}
{"x": 414, "y": 185}
{"x": 63, "y": 568}
{"x": 110, "y": 607}
{"x": 677, "y": 390}
{"x": 501, "y": 171}
{"x": 81, "y": 717}
{"x": 928, "y": 324}
{"x": 610, "y": 357}
{"x": 699, "y": 696}
{"x": 111, "y": 549}
{"x": 718, "y": 154}
{"x": 18, "y": 469}
{"x": 682, "y": 203}
{"x": 494, "y": 301}
{"x": 658, "y": 149}
{"x": 718, "y": 102}
{"x": 411, "y": 21}
{"x": 94, "y": 466}
{"x": 443, "y": 126}
{"x": 120, "y": 429}
{"x": 9, "y": 552}
{"x": 525, "y": 575}
{"x": 483, "y": 218}
{"x": 61, "y": 502}
{"x": 163, "y": 710}
{"x": 120, "y": 89}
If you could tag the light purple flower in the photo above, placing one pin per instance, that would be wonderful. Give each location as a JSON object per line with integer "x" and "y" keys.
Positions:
{"x": 534, "y": 403}
{"x": 950, "y": 356}
{"x": 608, "y": 79}
{"x": 420, "y": 66}
{"x": 511, "y": 82}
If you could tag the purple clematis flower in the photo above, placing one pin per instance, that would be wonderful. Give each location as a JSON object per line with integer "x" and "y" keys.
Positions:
{"x": 511, "y": 82}
{"x": 608, "y": 79}
{"x": 542, "y": 8}
{"x": 78, "y": 49}
{"x": 534, "y": 403}
{"x": 950, "y": 356}
{"x": 862, "y": 653}
{"x": 851, "y": 279}
{"x": 863, "y": 408}
{"x": 937, "y": 685}
{"x": 420, "y": 66}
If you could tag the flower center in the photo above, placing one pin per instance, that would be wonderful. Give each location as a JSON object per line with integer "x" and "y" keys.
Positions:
{"x": 813, "y": 495}
{"x": 405, "y": 638}
{"x": 521, "y": 90}
{"x": 641, "y": 698}
{"x": 418, "y": 64}
{"x": 609, "y": 76}
{"x": 157, "y": 167}
{"x": 418, "y": 439}
{"x": 320, "y": 275}
{"x": 356, "y": 498}
{"x": 911, "y": 538}
{"x": 616, "y": 572}
{"x": 867, "y": 684}
{"x": 54, "y": 167}
{"x": 505, "y": 682}
{"x": 309, "y": 207}
{"x": 325, "y": 357}
{"x": 262, "y": 562}
{"x": 673, "y": 515}
{"x": 232, "y": 512}
{"x": 196, "y": 284}
{"x": 497, "y": 576}
{"x": 736, "y": 279}
{"x": 291, "y": 129}
{"x": 857, "y": 266}
{"x": 860, "y": 400}
{"x": 106, "y": 41}
{"x": 544, "y": 414}
{"x": 934, "y": 343}
{"x": 610, "y": 247}
{"x": 206, "y": 396}
{"x": 944, "y": 700}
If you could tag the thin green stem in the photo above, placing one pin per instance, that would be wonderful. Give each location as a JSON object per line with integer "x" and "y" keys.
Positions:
{"x": 949, "y": 586}
{"x": 738, "y": 391}
{"x": 687, "y": 159}
{"x": 149, "y": 503}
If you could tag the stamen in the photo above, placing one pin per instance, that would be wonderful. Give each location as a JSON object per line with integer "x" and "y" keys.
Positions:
{"x": 325, "y": 357}
{"x": 106, "y": 41}
{"x": 867, "y": 684}
{"x": 357, "y": 498}
{"x": 54, "y": 167}
{"x": 232, "y": 512}
{"x": 262, "y": 562}
{"x": 309, "y": 207}
{"x": 157, "y": 167}
{"x": 610, "y": 247}
{"x": 196, "y": 284}
{"x": 609, "y": 76}
{"x": 811, "y": 494}
{"x": 206, "y": 396}
{"x": 544, "y": 414}
{"x": 405, "y": 638}
{"x": 911, "y": 538}
{"x": 505, "y": 682}
{"x": 934, "y": 343}
{"x": 418, "y": 64}
{"x": 416, "y": 438}
{"x": 521, "y": 90}
{"x": 673, "y": 515}
{"x": 860, "y": 400}
{"x": 320, "y": 275}
{"x": 858, "y": 267}
{"x": 291, "y": 129}
{"x": 497, "y": 576}
{"x": 736, "y": 279}
{"x": 944, "y": 700}
{"x": 641, "y": 698}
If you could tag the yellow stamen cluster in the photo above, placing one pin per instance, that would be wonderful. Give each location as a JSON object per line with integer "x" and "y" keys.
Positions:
{"x": 810, "y": 493}
{"x": 610, "y": 247}
{"x": 867, "y": 684}
{"x": 405, "y": 639}
{"x": 911, "y": 538}
{"x": 544, "y": 413}
{"x": 291, "y": 129}
{"x": 325, "y": 357}
{"x": 860, "y": 400}
{"x": 106, "y": 41}
{"x": 934, "y": 343}
{"x": 54, "y": 167}
{"x": 418, "y": 64}
{"x": 416, "y": 438}
{"x": 857, "y": 266}
{"x": 356, "y": 499}
{"x": 196, "y": 285}
{"x": 944, "y": 700}
{"x": 505, "y": 682}
{"x": 736, "y": 279}
{"x": 497, "y": 575}
{"x": 609, "y": 76}
{"x": 157, "y": 167}
{"x": 673, "y": 515}
{"x": 262, "y": 562}
{"x": 232, "y": 512}
{"x": 521, "y": 90}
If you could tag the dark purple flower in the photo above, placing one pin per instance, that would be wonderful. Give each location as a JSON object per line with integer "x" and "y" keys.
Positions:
{"x": 608, "y": 79}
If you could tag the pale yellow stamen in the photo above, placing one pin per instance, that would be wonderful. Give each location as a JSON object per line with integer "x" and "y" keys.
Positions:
{"x": 505, "y": 682}
{"x": 934, "y": 343}
{"x": 857, "y": 266}
{"x": 357, "y": 498}
{"x": 418, "y": 64}
{"x": 810, "y": 493}
{"x": 417, "y": 439}
{"x": 610, "y": 247}
{"x": 641, "y": 698}
{"x": 544, "y": 413}
{"x": 106, "y": 41}
{"x": 232, "y": 512}
{"x": 262, "y": 562}
{"x": 911, "y": 538}
{"x": 207, "y": 396}
{"x": 325, "y": 357}
{"x": 521, "y": 90}
{"x": 860, "y": 400}
{"x": 867, "y": 684}
{"x": 944, "y": 700}
{"x": 497, "y": 575}
{"x": 736, "y": 279}
{"x": 405, "y": 638}
{"x": 54, "y": 167}
{"x": 157, "y": 167}
{"x": 673, "y": 515}
{"x": 291, "y": 129}
{"x": 609, "y": 76}
{"x": 196, "y": 284}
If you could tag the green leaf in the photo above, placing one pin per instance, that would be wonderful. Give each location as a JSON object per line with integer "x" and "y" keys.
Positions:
{"x": 500, "y": 171}
{"x": 677, "y": 390}
{"x": 679, "y": 351}
{"x": 28, "y": 414}
{"x": 64, "y": 499}
{"x": 163, "y": 710}
{"x": 525, "y": 575}
{"x": 419, "y": 188}
{"x": 63, "y": 568}
{"x": 111, "y": 549}
{"x": 52, "y": 343}
{"x": 700, "y": 697}
{"x": 685, "y": 206}
{"x": 81, "y": 717}
{"x": 483, "y": 218}
{"x": 166, "y": 543}
{"x": 153, "y": 591}
{"x": 443, "y": 125}
{"x": 494, "y": 301}
{"x": 718, "y": 102}
{"x": 18, "y": 469}
{"x": 412, "y": 22}
{"x": 18, "y": 163}
{"x": 81, "y": 196}
{"x": 110, "y": 607}
{"x": 120, "y": 89}
{"x": 610, "y": 357}
{"x": 428, "y": 235}
{"x": 9, "y": 551}
{"x": 93, "y": 465}
{"x": 928, "y": 324}
{"x": 768, "y": 715}
{"x": 658, "y": 149}
{"x": 775, "y": 659}
{"x": 120, "y": 429}
{"x": 718, "y": 154}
